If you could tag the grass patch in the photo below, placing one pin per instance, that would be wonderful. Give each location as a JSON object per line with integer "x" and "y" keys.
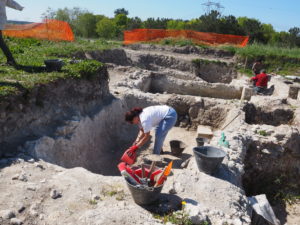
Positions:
{"x": 280, "y": 60}
{"x": 179, "y": 217}
{"x": 287, "y": 191}
{"x": 199, "y": 62}
{"x": 92, "y": 202}
{"x": 257, "y": 50}
{"x": 262, "y": 133}
{"x": 114, "y": 191}
{"x": 177, "y": 42}
{"x": 31, "y": 53}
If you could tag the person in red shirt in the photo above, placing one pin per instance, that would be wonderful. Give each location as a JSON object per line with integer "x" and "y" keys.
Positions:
{"x": 261, "y": 82}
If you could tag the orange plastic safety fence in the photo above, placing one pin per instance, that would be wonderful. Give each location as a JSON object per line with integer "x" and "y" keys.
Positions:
{"x": 54, "y": 30}
{"x": 144, "y": 35}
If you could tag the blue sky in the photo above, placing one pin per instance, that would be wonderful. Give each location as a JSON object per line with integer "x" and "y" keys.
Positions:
{"x": 282, "y": 14}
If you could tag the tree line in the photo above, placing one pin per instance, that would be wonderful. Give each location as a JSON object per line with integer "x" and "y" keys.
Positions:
{"x": 86, "y": 24}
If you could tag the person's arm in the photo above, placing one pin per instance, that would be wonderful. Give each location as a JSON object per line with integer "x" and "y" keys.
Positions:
{"x": 143, "y": 140}
{"x": 254, "y": 78}
{"x": 14, "y": 5}
{"x": 141, "y": 134}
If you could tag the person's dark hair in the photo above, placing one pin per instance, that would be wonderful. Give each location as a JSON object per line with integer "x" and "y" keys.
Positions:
{"x": 133, "y": 113}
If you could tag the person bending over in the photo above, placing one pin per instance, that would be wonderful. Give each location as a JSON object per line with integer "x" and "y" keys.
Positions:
{"x": 12, "y": 4}
{"x": 160, "y": 117}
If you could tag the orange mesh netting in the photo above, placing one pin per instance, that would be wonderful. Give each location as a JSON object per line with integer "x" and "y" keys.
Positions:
{"x": 140, "y": 35}
{"x": 54, "y": 30}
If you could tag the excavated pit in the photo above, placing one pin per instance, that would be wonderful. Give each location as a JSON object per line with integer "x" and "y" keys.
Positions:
{"x": 93, "y": 142}
{"x": 274, "y": 116}
{"x": 274, "y": 170}
{"x": 192, "y": 63}
{"x": 160, "y": 83}
{"x": 97, "y": 142}
{"x": 95, "y": 137}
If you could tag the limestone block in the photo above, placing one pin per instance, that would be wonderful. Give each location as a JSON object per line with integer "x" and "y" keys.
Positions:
{"x": 204, "y": 131}
{"x": 294, "y": 91}
{"x": 246, "y": 93}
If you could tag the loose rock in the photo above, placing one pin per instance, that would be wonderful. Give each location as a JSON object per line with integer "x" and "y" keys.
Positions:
{"x": 15, "y": 221}
{"x": 55, "y": 194}
{"x": 7, "y": 214}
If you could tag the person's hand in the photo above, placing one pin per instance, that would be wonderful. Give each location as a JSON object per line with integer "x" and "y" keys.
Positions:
{"x": 133, "y": 148}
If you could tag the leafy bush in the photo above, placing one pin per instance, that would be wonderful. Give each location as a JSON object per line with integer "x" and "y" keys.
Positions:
{"x": 86, "y": 69}
{"x": 262, "y": 133}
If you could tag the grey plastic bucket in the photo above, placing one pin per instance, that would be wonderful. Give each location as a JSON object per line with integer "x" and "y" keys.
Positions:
{"x": 144, "y": 196}
{"x": 208, "y": 158}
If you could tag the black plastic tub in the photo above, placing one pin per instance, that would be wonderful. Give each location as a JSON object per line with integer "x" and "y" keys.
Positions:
{"x": 177, "y": 147}
{"x": 201, "y": 141}
{"x": 144, "y": 196}
{"x": 208, "y": 158}
{"x": 53, "y": 64}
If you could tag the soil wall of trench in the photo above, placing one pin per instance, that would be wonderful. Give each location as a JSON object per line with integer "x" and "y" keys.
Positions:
{"x": 39, "y": 111}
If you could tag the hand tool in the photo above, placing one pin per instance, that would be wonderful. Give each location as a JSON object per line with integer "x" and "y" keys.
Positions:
{"x": 128, "y": 174}
{"x": 164, "y": 175}
{"x": 151, "y": 169}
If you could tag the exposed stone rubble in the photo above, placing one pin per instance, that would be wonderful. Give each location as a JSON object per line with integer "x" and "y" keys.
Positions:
{"x": 70, "y": 176}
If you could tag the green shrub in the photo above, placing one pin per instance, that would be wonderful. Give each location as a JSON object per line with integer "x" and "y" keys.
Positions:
{"x": 262, "y": 133}
{"x": 86, "y": 69}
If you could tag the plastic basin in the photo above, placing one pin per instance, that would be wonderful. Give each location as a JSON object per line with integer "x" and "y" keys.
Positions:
{"x": 208, "y": 158}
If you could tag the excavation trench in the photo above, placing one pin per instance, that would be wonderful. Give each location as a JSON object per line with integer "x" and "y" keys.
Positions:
{"x": 274, "y": 116}
{"x": 273, "y": 169}
{"x": 160, "y": 83}
{"x": 97, "y": 142}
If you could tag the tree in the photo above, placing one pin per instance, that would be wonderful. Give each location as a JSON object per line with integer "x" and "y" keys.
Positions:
{"x": 295, "y": 36}
{"x": 158, "y": 23}
{"x": 106, "y": 28}
{"x": 210, "y": 22}
{"x": 230, "y": 25}
{"x": 281, "y": 39}
{"x": 121, "y": 11}
{"x": 134, "y": 23}
{"x": 68, "y": 15}
{"x": 176, "y": 24}
{"x": 63, "y": 14}
{"x": 253, "y": 28}
{"x": 49, "y": 14}
{"x": 193, "y": 24}
{"x": 121, "y": 20}
{"x": 268, "y": 32}
{"x": 86, "y": 25}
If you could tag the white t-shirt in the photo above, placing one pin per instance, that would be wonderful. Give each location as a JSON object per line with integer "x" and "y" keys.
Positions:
{"x": 152, "y": 115}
